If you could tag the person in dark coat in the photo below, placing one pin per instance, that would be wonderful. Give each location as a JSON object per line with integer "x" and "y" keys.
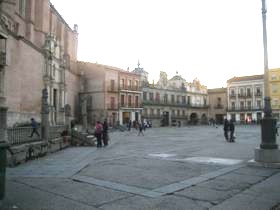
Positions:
{"x": 98, "y": 133}
{"x": 226, "y": 128}
{"x": 105, "y": 136}
{"x": 34, "y": 126}
{"x": 231, "y": 129}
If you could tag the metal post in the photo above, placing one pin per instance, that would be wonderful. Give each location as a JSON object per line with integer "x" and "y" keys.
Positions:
{"x": 268, "y": 123}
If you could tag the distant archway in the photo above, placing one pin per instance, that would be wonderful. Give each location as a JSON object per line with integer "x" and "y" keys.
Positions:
{"x": 193, "y": 118}
{"x": 204, "y": 119}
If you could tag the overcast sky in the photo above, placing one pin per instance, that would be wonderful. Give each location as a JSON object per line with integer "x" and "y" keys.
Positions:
{"x": 212, "y": 40}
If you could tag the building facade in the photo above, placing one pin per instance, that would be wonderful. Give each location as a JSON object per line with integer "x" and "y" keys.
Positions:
{"x": 38, "y": 52}
{"x": 245, "y": 98}
{"x": 111, "y": 93}
{"x": 175, "y": 101}
{"x": 274, "y": 82}
{"x": 217, "y": 104}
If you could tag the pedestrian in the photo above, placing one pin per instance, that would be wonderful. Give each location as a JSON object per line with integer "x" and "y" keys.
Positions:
{"x": 105, "y": 136}
{"x": 34, "y": 126}
{"x": 140, "y": 127}
{"x": 226, "y": 128}
{"x": 98, "y": 133}
{"x": 231, "y": 129}
{"x": 129, "y": 125}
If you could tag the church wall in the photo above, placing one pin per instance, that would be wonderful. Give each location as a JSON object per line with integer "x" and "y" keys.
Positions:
{"x": 23, "y": 81}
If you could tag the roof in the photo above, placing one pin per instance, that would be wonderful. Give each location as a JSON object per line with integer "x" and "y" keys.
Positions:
{"x": 177, "y": 77}
{"x": 217, "y": 90}
{"x": 246, "y": 78}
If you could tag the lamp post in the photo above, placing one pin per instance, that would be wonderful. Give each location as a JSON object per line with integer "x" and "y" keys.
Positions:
{"x": 268, "y": 122}
{"x": 268, "y": 152}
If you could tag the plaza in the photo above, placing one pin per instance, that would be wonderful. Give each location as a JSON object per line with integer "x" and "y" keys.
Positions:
{"x": 190, "y": 167}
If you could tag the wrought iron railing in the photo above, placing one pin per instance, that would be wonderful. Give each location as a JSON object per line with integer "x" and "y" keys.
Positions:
{"x": 21, "y": 135}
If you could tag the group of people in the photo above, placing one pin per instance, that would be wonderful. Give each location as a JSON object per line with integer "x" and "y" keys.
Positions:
{"x": 140, "y": 126}
{"x": 229, "y": 127}
{"x": 101, "y": 133}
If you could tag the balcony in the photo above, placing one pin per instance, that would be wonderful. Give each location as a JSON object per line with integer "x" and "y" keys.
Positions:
{"x": 245, "y": 108}
{"x": 112, "y": 107}
{"x": 129, "y": 88}
{"x": 258, "y": 94}
{"x": 241, "y": 95}
{"x": 232, "y": 95}
{"x": 219, "y": 106}
{"x": 130, "y": 105}
{"x": 112, "y": 89}
{"x": 151, "y": 116}
{"x": 174, "y": 104}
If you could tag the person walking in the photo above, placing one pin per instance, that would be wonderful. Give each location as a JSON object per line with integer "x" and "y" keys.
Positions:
{"x": 129, "y": 125}
{"x": 105, "y": 136}
{"x": 140, "y": 127}
{"x": 226, "y": 128}
{"x": 98, "y": 133}
{"x": 34, "y": 126}
{"x": 231, "y": 129}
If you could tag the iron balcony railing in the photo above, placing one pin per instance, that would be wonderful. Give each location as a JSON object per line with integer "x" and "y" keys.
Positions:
{"x": 175, "y": 104}
{"x": 245, "y": 108}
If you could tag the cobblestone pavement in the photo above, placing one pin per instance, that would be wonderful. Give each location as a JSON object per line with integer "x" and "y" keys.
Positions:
{"x": 168, "y": 168}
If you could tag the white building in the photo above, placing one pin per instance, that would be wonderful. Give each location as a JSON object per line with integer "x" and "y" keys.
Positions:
{"x": 245, "y": 98}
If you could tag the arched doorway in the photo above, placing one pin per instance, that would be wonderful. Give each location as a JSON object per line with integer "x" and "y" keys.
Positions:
{"x": 204, "y": 119}
{"x": 193, "y": 119}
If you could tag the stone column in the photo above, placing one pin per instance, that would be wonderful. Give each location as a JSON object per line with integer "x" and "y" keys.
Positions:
{"x": 45, "y": 124}
{"x": 84, "y": 111}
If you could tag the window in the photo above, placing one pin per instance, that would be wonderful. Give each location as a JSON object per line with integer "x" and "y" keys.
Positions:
{"x": 274, "y": 88}
{"x": 112, "y": 85}
{"x": 152, "y": 112}
{"x": 158, "y": 112}
{"x": 144, "y": 95}
{"x": 129, "y": 83}
{"x": 273, "y": 77}
{"x": 21, "y": 7}
{"x": 173, "y": 112}
{"x": 249, "y": 104}
{"x": 259, "y": 104}
{"x": 183, "y": 99}
{"x": 122, "y": 83}
{"x": 157, "y": 97}
{"x": 136, "y": 101}
{"x": 178, "y": 112}
{"x": 122, "y": 100}
{"x": 183, "y": 113}
{"x": 112, "y": 100}
{"x": 151, "y": 96}
{"x": 129, "y": 100}
{"x": 165, "y": 98}
{"x": 241, "y": 92}
{"x": 248, "y": 92}
{"x": 136, "y": 85}
{"x": 233, "y": 105}
{"x": 189, "y": 100}
{"x": 232, "y": 93}
{"x": 242, "y": 105}
{"x": 178, "y": 99}
{"x": 172, "y": 99}
{"x": 258, "y": 91}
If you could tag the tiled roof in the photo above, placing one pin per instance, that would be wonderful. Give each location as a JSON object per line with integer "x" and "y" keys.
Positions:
{"x": 245, "y": 78}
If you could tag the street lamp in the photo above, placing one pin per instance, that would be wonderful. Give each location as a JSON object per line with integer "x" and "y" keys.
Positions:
{"x": 268, "y": 152}
{"x": 268, "y": 124}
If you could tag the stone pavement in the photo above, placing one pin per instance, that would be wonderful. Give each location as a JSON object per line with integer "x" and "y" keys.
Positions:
{"x": 168, "y": 168}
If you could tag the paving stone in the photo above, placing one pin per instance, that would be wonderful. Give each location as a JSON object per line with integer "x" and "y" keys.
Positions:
{"x": 82, "y": 192}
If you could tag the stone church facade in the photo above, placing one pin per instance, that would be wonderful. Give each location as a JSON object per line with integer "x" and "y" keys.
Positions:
{"x": 38, "y": 50}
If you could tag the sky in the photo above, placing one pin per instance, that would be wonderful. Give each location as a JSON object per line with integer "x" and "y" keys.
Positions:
{"x": 212, "y": 40}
